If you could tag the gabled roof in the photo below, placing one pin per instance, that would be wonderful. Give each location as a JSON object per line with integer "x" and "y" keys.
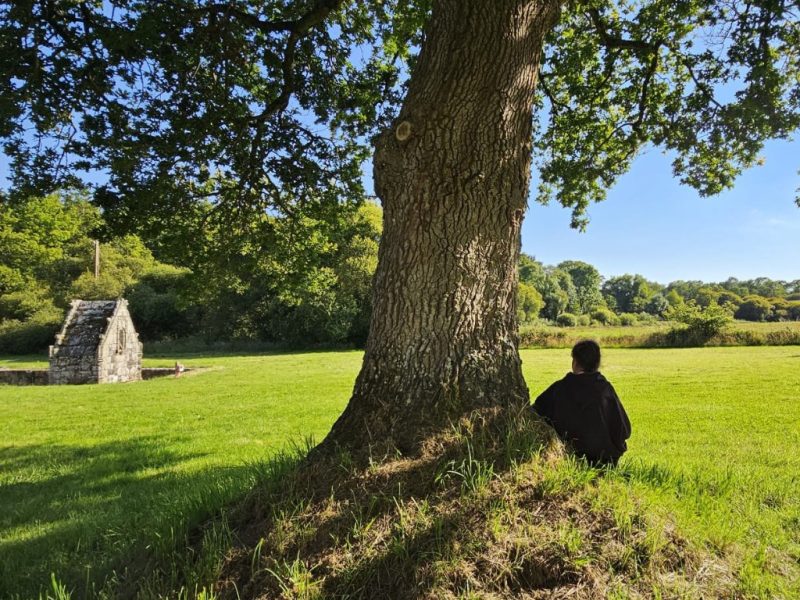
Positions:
{"x": 82, "y": 331}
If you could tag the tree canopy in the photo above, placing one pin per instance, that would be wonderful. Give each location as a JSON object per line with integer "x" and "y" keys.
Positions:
{"x": 272, "y": 105}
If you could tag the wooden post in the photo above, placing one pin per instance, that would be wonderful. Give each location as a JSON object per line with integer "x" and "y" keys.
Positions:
{"x": 96, "y": 260}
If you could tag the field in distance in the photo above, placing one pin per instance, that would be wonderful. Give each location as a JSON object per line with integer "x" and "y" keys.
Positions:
{"x": 96, "y": 478}
{"x": 738, "y": 333}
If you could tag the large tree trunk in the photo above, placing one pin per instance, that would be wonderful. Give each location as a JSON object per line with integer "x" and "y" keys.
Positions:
{"x": 453, "y": 177}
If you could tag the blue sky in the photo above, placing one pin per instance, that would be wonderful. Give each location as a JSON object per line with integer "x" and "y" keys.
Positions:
{"x": 652, "y": 225}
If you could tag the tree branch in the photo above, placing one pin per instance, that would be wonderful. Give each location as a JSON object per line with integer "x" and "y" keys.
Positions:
{"x": 610, "y": 40}
{"x": 313, "y": 17}
{"x": 700, "y": 85}
{"x": 651, "y": 70}
{"x": 296, "y": 30}
{"x": 553, "y": 102}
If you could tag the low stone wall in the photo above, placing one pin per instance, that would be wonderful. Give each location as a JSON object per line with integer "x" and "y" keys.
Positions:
{"x": 23, "y": 377}
{"x": 152, "y": 372}
{"x": 40, "y": 376}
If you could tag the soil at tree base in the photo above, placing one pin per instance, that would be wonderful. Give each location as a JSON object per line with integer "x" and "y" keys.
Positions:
{"x": 491, "y": 508}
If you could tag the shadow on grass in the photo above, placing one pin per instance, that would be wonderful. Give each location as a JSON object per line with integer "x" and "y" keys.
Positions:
{"x": 215, "y": 353}
{"x": 84, "y": 512}
{"x": 352, "y": 526}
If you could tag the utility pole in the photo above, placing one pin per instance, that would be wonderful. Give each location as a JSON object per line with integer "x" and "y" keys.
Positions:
{"x": 96, "y": 260}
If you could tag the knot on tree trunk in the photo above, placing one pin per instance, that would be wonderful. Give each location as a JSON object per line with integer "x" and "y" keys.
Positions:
{"x": 403, "y": 131}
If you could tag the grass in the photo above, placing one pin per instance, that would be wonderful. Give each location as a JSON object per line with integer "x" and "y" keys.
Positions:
{"x": 90, "y": 476}
{"x": 601, "y": 331}
{"x": 714, "y": 433}
{"x": 96, "y": 480}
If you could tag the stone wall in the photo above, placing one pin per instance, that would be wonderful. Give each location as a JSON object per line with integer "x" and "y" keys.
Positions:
{"x": 73, "y": 358}
{"x": 119, "y": 356}
{"x": 153, "y": 372}
{"x": 23, "y": 377}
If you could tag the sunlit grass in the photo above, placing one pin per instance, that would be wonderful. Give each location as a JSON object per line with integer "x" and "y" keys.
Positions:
{"x": 90, "y": 476}
{"x": 714, "y": 447}
{"x": 95, "y": 478}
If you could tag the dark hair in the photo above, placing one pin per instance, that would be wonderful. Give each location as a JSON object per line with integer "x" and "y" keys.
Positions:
{"x": 587, "y": 354}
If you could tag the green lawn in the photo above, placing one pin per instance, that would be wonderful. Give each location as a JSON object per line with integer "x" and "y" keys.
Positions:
{"x": 90, "y": 476}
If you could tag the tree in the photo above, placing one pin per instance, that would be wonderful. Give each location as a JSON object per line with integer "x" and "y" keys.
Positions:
{"x": 754, "y": 308}
{"x": 706, "y": 296}
{"x": 553, "y": 287}
{"x": 281, "y": 279}
{"x": 42, "y": 243}
{"x": 531, "y": 271}
{"x": 123, "y": 261}
{"x": 183, "y": 100}
{"x": 657, "y": 305}
{"x": 586, "y": 280}
{"x": 794, "y": 311}
{"x": 674, "y": 298}
{"x": 687, "y": 290}
{"x": 529, "y": 302}
{"x": 726, "y": 297}
{"x": 556, "y": 299}
{"x": 627, "y": 293}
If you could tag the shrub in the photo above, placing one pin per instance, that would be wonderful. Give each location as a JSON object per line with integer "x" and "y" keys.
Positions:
{"x": 783, "y": 337}
{"x": 701, "y": 324}
{"x": 628, "y": 319}
{"x": 29, "y": 337}
{"x": 644, "y": 318}
{"x": 566, "y": 320}
{"x": 604, "y": 316}
{"x": 22, "y": 305}
{"x": 754, "y": 308}
{"x": 542, "y": 338}
{"x": 584, "y": 320}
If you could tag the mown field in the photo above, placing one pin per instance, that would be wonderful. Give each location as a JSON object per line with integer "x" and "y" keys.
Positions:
{"x": 96, "y": 480}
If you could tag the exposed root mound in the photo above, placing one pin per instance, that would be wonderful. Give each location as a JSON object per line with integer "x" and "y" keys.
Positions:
{"x": 492, "y": 508}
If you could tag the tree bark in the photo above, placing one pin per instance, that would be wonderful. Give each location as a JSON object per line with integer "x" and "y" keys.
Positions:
{"x": 453, "y": 177}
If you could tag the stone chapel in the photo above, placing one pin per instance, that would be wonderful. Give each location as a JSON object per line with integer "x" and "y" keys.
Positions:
{"x": 97, "y": 344}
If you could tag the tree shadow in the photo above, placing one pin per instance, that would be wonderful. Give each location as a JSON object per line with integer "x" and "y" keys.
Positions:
{"x": 238, "y": 353}
{"x": 83, "y": 512}
{"x": 375, "y": 529}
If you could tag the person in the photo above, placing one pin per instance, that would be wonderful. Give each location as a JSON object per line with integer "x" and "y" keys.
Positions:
{"x": 585, "y": 410}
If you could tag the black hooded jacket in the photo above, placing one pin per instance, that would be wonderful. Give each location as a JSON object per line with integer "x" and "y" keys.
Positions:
{"x": 586, "y": 412}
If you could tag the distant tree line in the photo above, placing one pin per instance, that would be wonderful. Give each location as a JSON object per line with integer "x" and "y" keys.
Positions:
{"x": 264, "y": 277}
{"x": 303, "y": 280}
{"x": 574, "y": 292}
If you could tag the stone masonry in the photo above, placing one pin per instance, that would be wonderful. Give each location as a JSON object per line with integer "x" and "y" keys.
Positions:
{"x": 23, "y": 377}
{"x": 97, "y": 344}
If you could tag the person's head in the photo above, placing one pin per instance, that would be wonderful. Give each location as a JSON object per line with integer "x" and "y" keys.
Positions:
{"x": 585, "y": 356}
